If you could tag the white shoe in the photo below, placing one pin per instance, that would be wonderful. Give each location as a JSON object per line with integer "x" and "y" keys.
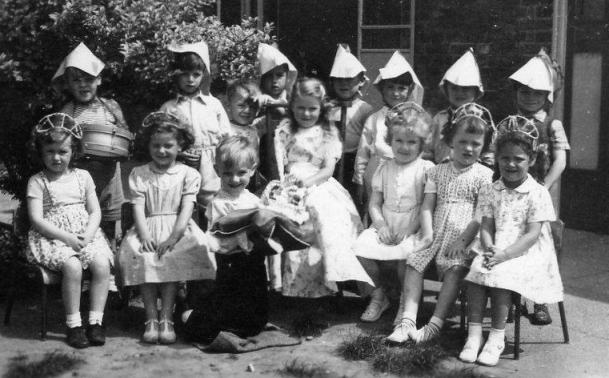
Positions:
{"x": 490, "y": 353}
{"x": 375, "y": 309}
{"x": 401, "y": 331}
{"x": 470, "y": 352}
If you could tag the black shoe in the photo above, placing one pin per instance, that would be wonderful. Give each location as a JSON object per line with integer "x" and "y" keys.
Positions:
{"x": 76, "y": 338}
{"x": 511, "y": 314}
{"x": 96, "y": 334}
{"x": 541, "y": 316}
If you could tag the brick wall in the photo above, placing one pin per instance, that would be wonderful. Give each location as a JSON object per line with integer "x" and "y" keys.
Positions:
{"x": 503, "y": 33}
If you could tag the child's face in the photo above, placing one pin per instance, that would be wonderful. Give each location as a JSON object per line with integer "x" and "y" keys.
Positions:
{"x": 189, "y": 82}
{"x": 275, "y": 81}
{"x": 242, "y": 108}
{"x": 458, "y": 95}
{"x": 466, "y": 147}
{"x": 306, "y": 110}
{"x": 234, "y": 180}
{"x": 56, "y": 156}
{"x": 514, "y": 164}
{"x": 405, "y": 144}
{"x": 394, "y": 92}
{"x": 82, "y": 86}
{"x": 164, "y": 149}
{"x": 529, "y": 100}
{"x": 346, "y": 88}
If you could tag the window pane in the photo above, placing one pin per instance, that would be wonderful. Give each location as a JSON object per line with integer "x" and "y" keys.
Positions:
{"x": 386, "y": 12}
{"x": 586, "y": 110}
{"x": 386, "y": 38}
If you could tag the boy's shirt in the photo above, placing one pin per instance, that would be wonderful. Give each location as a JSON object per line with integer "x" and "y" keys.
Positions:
{"x": 99, "y": 112}
{"x": 205, "y": 114}
{"x": 556, "y": 131}
{"x": 357, "y": 114}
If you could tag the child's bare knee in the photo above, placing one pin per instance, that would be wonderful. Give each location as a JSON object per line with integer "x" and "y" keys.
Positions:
{"x": 100, "y": 267}
{"x": 72, "y": 268}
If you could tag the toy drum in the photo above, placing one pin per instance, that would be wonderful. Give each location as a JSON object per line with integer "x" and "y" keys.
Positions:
{"x": 106, "y": 141}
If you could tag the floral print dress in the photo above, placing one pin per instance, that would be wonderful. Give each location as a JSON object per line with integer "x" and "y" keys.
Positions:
{"x": 314, "y": 272}
{"x": 64, "y": 206}
{"x": 534, "y": 275}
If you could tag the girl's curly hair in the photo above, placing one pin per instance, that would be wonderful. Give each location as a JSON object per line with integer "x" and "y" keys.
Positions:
{"x": 312, "y": 87}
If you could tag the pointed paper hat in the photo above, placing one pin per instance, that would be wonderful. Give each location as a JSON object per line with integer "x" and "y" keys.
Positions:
{"x": 539, "y": 74}
{"x": 269, "y": 57}
{"x": 464, "y": 73}
{"x": 398, "y": 66}
{"x": 200, "y": 48}
{"x": 346, "y": 64}
{"x": 83, "y": 59}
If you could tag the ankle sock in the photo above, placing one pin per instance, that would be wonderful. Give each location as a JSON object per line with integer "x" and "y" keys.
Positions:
{"x": 496, "y": 336}
{"x": 377, "y": 295}
{"x": 96, "y": 317}
{"x": 437, "y": 322}
{"x": 73, "y": 320}
{"x": 429, "y": 332}
{"x": 474, "y": 335}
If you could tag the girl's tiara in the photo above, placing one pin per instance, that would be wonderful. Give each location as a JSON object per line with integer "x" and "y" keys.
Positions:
{"x": 519, "y": 124}
{"x": 59, "y": 121}
{"x": 397, "y": 113}
{"x": 162, "y": 118}
{"x": 472, "y": 109}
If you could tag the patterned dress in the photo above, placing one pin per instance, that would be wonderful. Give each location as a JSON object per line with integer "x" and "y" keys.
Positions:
{"x": 456, "y": 198}
{"x": 402, "y": 187}
{"x": 162, "y": 194}
{"x": 64, "y": 206}
{"x": 314, "y": 272}
{"x": 535, "y": 274}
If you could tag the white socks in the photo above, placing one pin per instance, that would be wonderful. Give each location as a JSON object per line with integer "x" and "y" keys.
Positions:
{"x": 493, "y": 348}
{"x": 429, "y": 332}
{"x": 73, "y": 320}
{"x": 96, "y": 317}
{"x": 473, "y": 343}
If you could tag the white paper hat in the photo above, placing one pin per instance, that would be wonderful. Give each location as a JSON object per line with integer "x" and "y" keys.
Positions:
{"x": 536, "y": 74}
{"x": 464, "y": 73}
{"x": 269, "y": 57}
{"x": 346, "y": 65}
{"x": 83, "y": 59}
{"x": 398, "y": 66}
{"x": 200, "y": 48}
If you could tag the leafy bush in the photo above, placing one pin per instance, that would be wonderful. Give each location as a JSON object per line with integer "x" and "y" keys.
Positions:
{"x": 129, "y": 36}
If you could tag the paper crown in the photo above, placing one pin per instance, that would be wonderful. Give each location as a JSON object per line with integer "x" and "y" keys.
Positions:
{"x": 397, "y": 66}
{"x": 473, "y": 110}
{"x": 83, "y": 59}
{"x": 539, "y": 73}
{"x": 58, "y": 121}
{"x": 200, "y": 48}
{"x": 522, "y": 125}
{"x": 346, "y": 65}
{"x": 163, "y": 117}
{"x": 464, "y": 73}
{"x": 269, "y": 58}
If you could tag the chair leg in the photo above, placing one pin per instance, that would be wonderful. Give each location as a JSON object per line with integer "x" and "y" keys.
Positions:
{"x": 43, "y": 318}
{"x": 563, "y": 322}
{"x": 517, "y": 314}
{"x": 463, "y": 304}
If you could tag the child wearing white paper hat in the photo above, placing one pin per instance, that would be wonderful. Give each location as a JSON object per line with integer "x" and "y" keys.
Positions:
{"x": 347, "y": 78}
{"x": 535, "y": 85}
{"x": 79, "y": 76}
{"x": 202, "y": 112}
{"x": 461, "y": 84}
{"x": 397, "y": 82}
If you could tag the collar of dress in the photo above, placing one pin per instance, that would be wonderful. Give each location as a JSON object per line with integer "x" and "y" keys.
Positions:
{"x": 171, "y": 171}
{"x": 525, "y": 187}
{"x": 199, "y": 96}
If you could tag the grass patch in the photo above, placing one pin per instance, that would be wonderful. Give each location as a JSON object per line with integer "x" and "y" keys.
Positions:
{"x": 423, "y": 359}
{"x": 304, "y": 369}
{"x": 308, "y": 324}
{"x": 52, "y": 364}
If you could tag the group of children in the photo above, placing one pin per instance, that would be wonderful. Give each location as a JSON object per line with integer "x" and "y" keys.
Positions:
{"x": 427, "y": 184}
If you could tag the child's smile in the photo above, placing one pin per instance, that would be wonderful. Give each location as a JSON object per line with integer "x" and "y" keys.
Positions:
{"x": 514, "y": 165}
{"x": 458, "y": 95}
{"x": 406, "y": 145}
{"x": 164, "y": 149}
{"x": 306, "y": 110}
{"x": 529, "y": 100}
{"x": 233, "y": 180}
{"x": 82, "y": 86}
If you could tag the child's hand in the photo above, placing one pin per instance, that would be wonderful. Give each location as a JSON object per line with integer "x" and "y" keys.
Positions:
{"x": 264, "y": 100}
{"x": 494, "y": 256}
{"x": 147, "y": 245}
{"x": 86, "y": 239}
{"x": 385, "y": 235}
{"x": 166, "y": 246}
{"x": 456, "y": 250}
{"x": 400, "y": 235}
{"x": 190, "y": 158}
{"x": 75, "y": 242}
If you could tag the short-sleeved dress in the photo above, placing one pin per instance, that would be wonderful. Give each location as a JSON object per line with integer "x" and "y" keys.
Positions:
{"x": 314, "y": 272}
{"x": 535, "y": 274}
{"x": 456, "y": 199}
{"x": 402, "y": 186}
{"x": 162, "y": 193}
{"x": 64, "y": 206}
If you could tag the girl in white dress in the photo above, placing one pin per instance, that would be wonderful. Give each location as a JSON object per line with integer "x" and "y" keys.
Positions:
{"x": 307, "y": 149}
{"x": 397, "y": 195}
{"x": 165, "y": 245}
{"x": 516, "y": 250}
